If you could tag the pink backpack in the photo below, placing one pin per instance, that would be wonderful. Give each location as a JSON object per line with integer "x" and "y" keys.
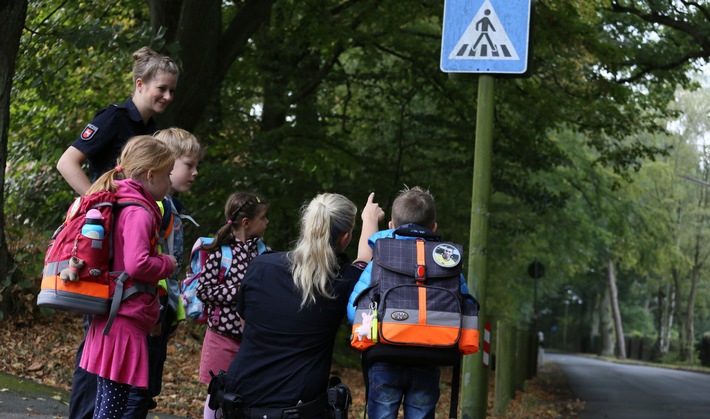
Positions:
{"x": 77, "y": 266}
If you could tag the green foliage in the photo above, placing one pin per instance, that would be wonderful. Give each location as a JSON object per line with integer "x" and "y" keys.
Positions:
{"x": 348, "y": 98}
{"x": 638, "y": 321}
{"x": 76, "y": 60}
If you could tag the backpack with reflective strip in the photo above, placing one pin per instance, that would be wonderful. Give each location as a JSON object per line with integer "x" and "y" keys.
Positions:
{"x": 414, "y": 304}
{"x": 87, "y": 261}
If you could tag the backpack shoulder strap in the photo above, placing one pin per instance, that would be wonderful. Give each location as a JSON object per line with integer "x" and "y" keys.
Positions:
{"x": 189, "y": 218}
{"x": 121, "y": 292}
{"x": 198, "y": 255}
{"x": 455, "y": 384}
{"x": 156, "y": 228}
{"x": 116, "y": 301}
{"x": 413, "y": 230}
{"x": 166, "y": 226}
{"x": 226, "y": 262}
{"x": 261, "y": 247}
{"x": 128, "y": 203}
{"x": 167, "y": 221}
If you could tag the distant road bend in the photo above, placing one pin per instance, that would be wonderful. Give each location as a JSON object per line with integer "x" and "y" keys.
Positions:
{"x": 621, "y": 391}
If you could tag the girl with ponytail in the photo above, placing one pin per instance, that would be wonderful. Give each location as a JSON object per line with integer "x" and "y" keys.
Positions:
{"x": 241, "y": 234}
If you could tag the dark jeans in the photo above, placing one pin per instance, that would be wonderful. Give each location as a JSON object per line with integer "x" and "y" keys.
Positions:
{"x": 83, "y": 387}
{"x": 416, "y": 387}
{"x": 140, "y": 400}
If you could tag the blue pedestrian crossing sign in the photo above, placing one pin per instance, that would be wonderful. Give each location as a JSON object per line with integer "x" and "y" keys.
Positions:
{"x": 486, "y": 36}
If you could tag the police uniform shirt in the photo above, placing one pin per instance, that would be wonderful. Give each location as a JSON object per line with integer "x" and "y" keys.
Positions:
{"x": 103, "y": 139}
{"x": 286, "y": 351}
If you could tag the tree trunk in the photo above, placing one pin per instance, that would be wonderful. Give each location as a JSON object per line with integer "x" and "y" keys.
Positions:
{"x": 678, "y": 300}
{"x": 163, "y": 15}
{"x": 672, "y": 314}
{"x": 606, "y": 325}
{"x": 616, "y": 313}
{"x": 594, "y": 339}
{"x": 12, "y": 20}
{"x": 689, "y": 322}
{"x": 688, "y": 335}
{"x": 206, "y": 53}
{"x": 664, "y": 318}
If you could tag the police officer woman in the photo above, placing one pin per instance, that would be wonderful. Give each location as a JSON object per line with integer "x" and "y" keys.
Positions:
{"x": 155, "y": 79}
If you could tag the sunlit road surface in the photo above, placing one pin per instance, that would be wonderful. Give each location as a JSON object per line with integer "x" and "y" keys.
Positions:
{"x": 614, "y": 390}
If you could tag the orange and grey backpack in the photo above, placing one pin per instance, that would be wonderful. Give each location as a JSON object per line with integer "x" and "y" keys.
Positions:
{"x": 77, "y": 265}
{"x": 414, "y": 311}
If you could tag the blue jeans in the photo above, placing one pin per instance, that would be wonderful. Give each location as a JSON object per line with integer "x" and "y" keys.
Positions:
{"x": 83, "y": 387}
{"x": 416, "y": 387}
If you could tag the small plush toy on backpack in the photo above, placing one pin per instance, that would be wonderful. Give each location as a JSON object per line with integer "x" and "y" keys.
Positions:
{"x": 194, "y": 308}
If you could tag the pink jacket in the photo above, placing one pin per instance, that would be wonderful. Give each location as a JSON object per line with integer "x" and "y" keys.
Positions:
{"x": 134, "y": 231}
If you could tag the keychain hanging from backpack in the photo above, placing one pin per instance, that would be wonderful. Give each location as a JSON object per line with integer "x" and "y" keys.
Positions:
{"x": 373, "y": 325}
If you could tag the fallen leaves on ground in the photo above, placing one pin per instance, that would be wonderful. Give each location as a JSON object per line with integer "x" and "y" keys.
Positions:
{"x": 43, "y": 348}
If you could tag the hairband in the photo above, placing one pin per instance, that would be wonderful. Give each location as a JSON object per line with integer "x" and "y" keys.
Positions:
{"x": 119, "y": 169}
{"x": 229, "y": 221}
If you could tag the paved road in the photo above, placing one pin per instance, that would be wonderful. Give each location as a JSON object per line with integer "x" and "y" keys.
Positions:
{"x": 613, "y": 390}
{"x": 21, "y": 398}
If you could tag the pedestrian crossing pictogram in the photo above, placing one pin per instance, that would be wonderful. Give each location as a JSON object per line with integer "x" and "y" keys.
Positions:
{"x": 485, "y": 38}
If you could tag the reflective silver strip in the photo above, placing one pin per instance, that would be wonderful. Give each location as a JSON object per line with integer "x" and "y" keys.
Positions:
{"x": 434, "y": 318}
{"x": 53, "y": 268}
{"x": 358, "y": 315}
{"x": 470, "y": 322}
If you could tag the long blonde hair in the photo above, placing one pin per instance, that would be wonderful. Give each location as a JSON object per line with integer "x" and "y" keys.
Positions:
{"x": 313, "y": 261}
{"x": 140, "y": 154}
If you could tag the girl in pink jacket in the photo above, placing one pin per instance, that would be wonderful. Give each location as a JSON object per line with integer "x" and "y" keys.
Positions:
{"x": 120, "y": 358}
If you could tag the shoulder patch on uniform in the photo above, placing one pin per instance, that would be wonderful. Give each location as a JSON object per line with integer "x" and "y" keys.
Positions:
{"x": 89, "y": 132}
{"x": 360, "y": 265}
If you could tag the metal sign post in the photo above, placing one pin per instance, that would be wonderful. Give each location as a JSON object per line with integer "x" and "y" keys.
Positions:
{"x": 484, "y": 37}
